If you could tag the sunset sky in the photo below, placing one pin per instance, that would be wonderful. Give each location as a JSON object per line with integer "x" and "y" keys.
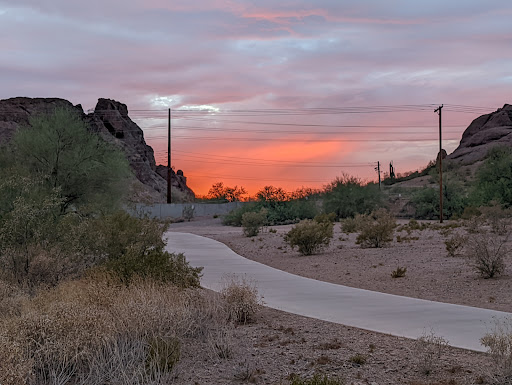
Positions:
{"x": 287, "y": 93}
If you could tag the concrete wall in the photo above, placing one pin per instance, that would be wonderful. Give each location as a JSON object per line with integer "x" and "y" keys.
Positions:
{"x": 175, "y": 210}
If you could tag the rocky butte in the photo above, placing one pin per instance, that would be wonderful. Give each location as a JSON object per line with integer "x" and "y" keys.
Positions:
{"x": 110, "y": 120}
{"x": 483, "y": 133}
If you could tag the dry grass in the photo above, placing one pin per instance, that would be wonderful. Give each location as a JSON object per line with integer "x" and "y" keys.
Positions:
{"x": 95, "y": 330}
{"x": 242, "y": 298}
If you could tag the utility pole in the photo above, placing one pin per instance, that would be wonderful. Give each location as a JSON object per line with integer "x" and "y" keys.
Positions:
{"x": 169, "y": 196}
{"x": 440, "y": 161}
{"x": 378, "y": 171}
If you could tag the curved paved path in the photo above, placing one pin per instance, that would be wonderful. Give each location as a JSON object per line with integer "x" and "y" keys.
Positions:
{"x": 408, "y": 317}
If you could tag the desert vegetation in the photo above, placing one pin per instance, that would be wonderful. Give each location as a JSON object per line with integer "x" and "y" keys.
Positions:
{"x": 88, "y": 293}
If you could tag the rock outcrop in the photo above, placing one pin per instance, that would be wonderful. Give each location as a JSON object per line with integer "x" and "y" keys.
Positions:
{"x": 110, "y": 120}
{"x": 482, "y": 134}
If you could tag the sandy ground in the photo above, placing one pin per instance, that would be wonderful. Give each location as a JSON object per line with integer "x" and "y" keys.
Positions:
{"x": 279, "y": 343}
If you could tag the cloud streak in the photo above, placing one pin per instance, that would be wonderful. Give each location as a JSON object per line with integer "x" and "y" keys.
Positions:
{"x": 245, "y": 55}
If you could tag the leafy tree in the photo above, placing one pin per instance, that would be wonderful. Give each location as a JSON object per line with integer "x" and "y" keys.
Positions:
{"x": 223, "y": 193}
{"x": 272, "y": 194}
{"x": 53, "y": 176}
{"x": 86, "y": 169}
{"x": 346, "y": 196}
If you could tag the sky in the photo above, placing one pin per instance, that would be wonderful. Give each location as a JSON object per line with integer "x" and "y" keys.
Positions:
{"x": 283, "y": 93}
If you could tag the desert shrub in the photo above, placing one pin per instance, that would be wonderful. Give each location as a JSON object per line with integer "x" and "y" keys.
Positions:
{"x": 499, "y": 343}
{"x": 309, "y": 236}
{"x": 399, "y": 272}
{"x": 428, "y": 350}
{"x": 499, "y": 218}
{"x": 234, "y": 218}
{"x": 253, "y": 222}
{"x": 426, "y": 202}
{"x": 376, "y": 229}
{"x": 325, "y": 218}
{"x": 279, "y": 210}
{"x": 493, "y": 179}
{"x": 132, "y": 247}
{"x": 347, "y": 196}
{"x": 158, "y": 265}
{"x": 111, "y": 236}
{"x": 221, "y": 342}
{"x": 351, "y": 225}
{"x": 470, "y": 212}
{"x": 487, "y": 252}
{"x": 317, "y": 379}
{"x": 455, "y": 244}
{"x": 242, "y": 299}
{"x": 188, "y": 212}
{"x": 358, "y": 359}
{"x": 474, "y": 224}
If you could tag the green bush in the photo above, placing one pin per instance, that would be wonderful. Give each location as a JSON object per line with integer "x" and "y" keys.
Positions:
{"x": 234, "y": 218}
{"x": 111, "y": 236}
{"x": 158, "y": 265}
{"x": 133, "y": 247}
{"x": 325, "y": 218}
{"x": 278, "y": 212}
{"x": 426, "y": 202}
{"x": 347, "y": 196}
{"x": 351, "y": 225}
{"x": 376, "y": 229}
{"x": 493, "y": 179}
{"x": 253, "y": 222}
{"x": 309, "y": 236}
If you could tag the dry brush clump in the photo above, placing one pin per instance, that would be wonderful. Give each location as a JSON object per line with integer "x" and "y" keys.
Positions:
{"x": 487, "y": 252}
{"x": 376, "y": 229}
{"x": 499, "y": 343}
{"x": 242, "y": 298}
{"x": 455, "y": 244}
{"x": 428, "y": 352}
{"x": 310, "y": 236}
{"x": 98, "y": 330}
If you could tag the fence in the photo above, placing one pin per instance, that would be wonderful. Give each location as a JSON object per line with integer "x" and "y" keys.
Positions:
{"x": 175, "y": 210}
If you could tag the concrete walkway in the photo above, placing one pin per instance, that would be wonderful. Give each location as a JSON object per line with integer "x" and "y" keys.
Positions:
{"x": 462, "y": 326}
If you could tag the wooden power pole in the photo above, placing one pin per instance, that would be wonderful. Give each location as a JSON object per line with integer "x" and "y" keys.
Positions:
{"x": 440, "y": 161}
{"x": 378, "y": 171}
{"x": 169, "y": 194}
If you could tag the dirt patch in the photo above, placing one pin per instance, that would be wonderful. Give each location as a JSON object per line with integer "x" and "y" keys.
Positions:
{"x": 280, "y": 344}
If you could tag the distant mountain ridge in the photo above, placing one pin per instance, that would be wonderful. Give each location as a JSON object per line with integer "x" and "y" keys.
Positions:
{"x": 110, "y": 120}
{"x": 483, "y": 133}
